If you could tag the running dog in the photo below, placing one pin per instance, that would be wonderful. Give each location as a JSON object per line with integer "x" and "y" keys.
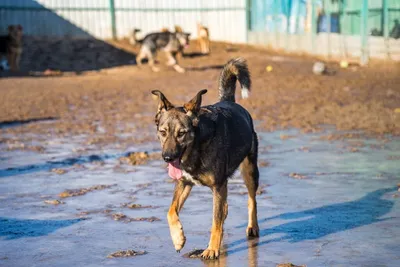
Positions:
{"x": 205, "y": 146}
{"x": 203, "y": 36}
{"x": 170, "y": 42}
{"x": 11, "y": 46}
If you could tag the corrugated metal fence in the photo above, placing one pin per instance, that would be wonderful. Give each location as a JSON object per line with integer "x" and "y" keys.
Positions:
{"x": 105, "y": 18}
{"x": 339, "y": 28}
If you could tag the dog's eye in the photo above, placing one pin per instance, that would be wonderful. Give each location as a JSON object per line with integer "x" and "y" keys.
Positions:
{"x": 163, "y": 133}
{"x": 181, "y": 134}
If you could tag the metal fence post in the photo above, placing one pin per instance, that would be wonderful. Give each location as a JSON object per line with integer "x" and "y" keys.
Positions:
{"x": 248, "y": 19}
{"x": 313, "y": 25}
{"x": 364, "y": 33}
{"x": 113, "y": 24}
{"x": 386, "y": 26}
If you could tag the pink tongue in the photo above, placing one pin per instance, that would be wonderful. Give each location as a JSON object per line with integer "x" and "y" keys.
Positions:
{"x": 174, "y": 170}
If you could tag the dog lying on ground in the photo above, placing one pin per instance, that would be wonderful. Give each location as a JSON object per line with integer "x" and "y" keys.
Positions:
{"x": 203, "y": 36}
{"x": 11, "y": 46}
{"x": 205, "y": 146}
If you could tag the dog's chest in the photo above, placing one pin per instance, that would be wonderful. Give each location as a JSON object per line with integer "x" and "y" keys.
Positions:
{"x": 188, "y": 177}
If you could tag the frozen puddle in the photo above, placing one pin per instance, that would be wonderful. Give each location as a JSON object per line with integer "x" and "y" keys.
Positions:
{"x": 322, "y": 203}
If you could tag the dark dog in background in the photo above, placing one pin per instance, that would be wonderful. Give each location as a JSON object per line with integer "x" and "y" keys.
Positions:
{"x": 205, "y": 146}
{"x": 11, "y": 46}
{"x": 171, "y": 43}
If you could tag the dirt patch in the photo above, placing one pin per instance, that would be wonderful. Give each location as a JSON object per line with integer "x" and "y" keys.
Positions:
{"x": 122, "y": 217}
{"x": 137, "y": 206}
{"x": 115, "y": 106}
{"x": 297, "y": 176}
{"x": 289, "y": 265}
{"x": 54, "y": 202}
{"x": 139, "y": 158}
{"x": 194, "y": 254}
{"x": 126, "y": 253}
{"x": 83, "y": 191}
{"x": 58, "y": 171}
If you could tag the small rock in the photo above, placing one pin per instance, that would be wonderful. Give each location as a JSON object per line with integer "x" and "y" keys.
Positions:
{"x": 319, "y": 68}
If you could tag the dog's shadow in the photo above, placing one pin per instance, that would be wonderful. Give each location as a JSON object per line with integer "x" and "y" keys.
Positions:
{"x": 322, "y": 221}
{"x": 203, "y": 68}
{"x": 194, "y": 55}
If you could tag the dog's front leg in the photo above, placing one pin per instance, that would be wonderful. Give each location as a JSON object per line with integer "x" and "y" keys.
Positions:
{"x": 220, "y": 211}
{"x": 181, "y": 193}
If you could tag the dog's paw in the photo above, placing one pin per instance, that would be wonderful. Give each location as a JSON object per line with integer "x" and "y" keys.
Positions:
{"x": 178, "y": 237}
{"x": 179, "y": 69}
{"x": 253, "y": 231}
{"x": 210, "y": 254}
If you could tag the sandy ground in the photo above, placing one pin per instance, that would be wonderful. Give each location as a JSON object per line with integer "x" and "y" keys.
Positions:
{"x": 108, "y": 103}
{"x": 68, "y": 196}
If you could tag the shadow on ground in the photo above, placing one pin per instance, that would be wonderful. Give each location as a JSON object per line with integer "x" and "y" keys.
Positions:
{"x": 54, "y": 48}
{"x": 15, "y": 123}
{"x": 322, "y": 221}
{"x": 12, "y": 228}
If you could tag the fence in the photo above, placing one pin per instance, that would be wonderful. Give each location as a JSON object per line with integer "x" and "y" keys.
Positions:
{"x": 116, "y": 18}
{"x": 333, "y": 28}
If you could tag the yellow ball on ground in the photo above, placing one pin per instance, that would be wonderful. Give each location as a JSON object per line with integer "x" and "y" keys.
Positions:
{"x": 344, "y": 64}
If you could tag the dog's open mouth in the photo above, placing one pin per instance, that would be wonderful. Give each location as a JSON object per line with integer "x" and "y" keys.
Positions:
{"x": 174, "y": 169}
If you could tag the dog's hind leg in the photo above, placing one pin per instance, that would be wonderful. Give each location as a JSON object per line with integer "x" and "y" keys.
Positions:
{"x": 181, "y": 193}
{"x": 250, "y": 174}
{"x": 220, "y": 211}
{"x": 171, "y": 59}
{"x": 174, "y": 63}
{"x": 139, "y": 58}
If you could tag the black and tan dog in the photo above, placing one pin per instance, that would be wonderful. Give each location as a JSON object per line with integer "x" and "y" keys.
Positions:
{"x": 205, "y": 146}
{"x": 11, "y": 46}
{"x": 172, "y": 43}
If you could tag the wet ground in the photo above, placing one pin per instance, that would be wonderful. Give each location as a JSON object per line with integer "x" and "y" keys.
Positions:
{"x": 71, "y": 194}
{"x": 321, "y": 203}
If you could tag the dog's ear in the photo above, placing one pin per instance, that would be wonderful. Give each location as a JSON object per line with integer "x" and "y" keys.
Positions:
{"x": 178, "y": 29}
{"x": 163, "y": 104}
{"x": 19, "y": 27}
{"x": 193, "y": 106}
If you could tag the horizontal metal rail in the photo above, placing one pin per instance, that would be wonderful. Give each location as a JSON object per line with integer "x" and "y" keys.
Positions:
{"x": 23, "y": 8}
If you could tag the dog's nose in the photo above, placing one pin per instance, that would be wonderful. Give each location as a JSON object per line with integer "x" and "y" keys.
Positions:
{"x": 167, "y": 158}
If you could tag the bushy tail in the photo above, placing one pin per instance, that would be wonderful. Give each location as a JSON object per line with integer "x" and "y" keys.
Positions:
{"x": 235, "y": 69}
{"x": 133, "y": 40}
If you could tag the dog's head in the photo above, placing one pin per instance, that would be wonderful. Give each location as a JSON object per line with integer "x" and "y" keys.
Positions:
{"x": 176, "y": 126}
{"x": 15, "y": 31}
{"x": 183, "y": 38}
